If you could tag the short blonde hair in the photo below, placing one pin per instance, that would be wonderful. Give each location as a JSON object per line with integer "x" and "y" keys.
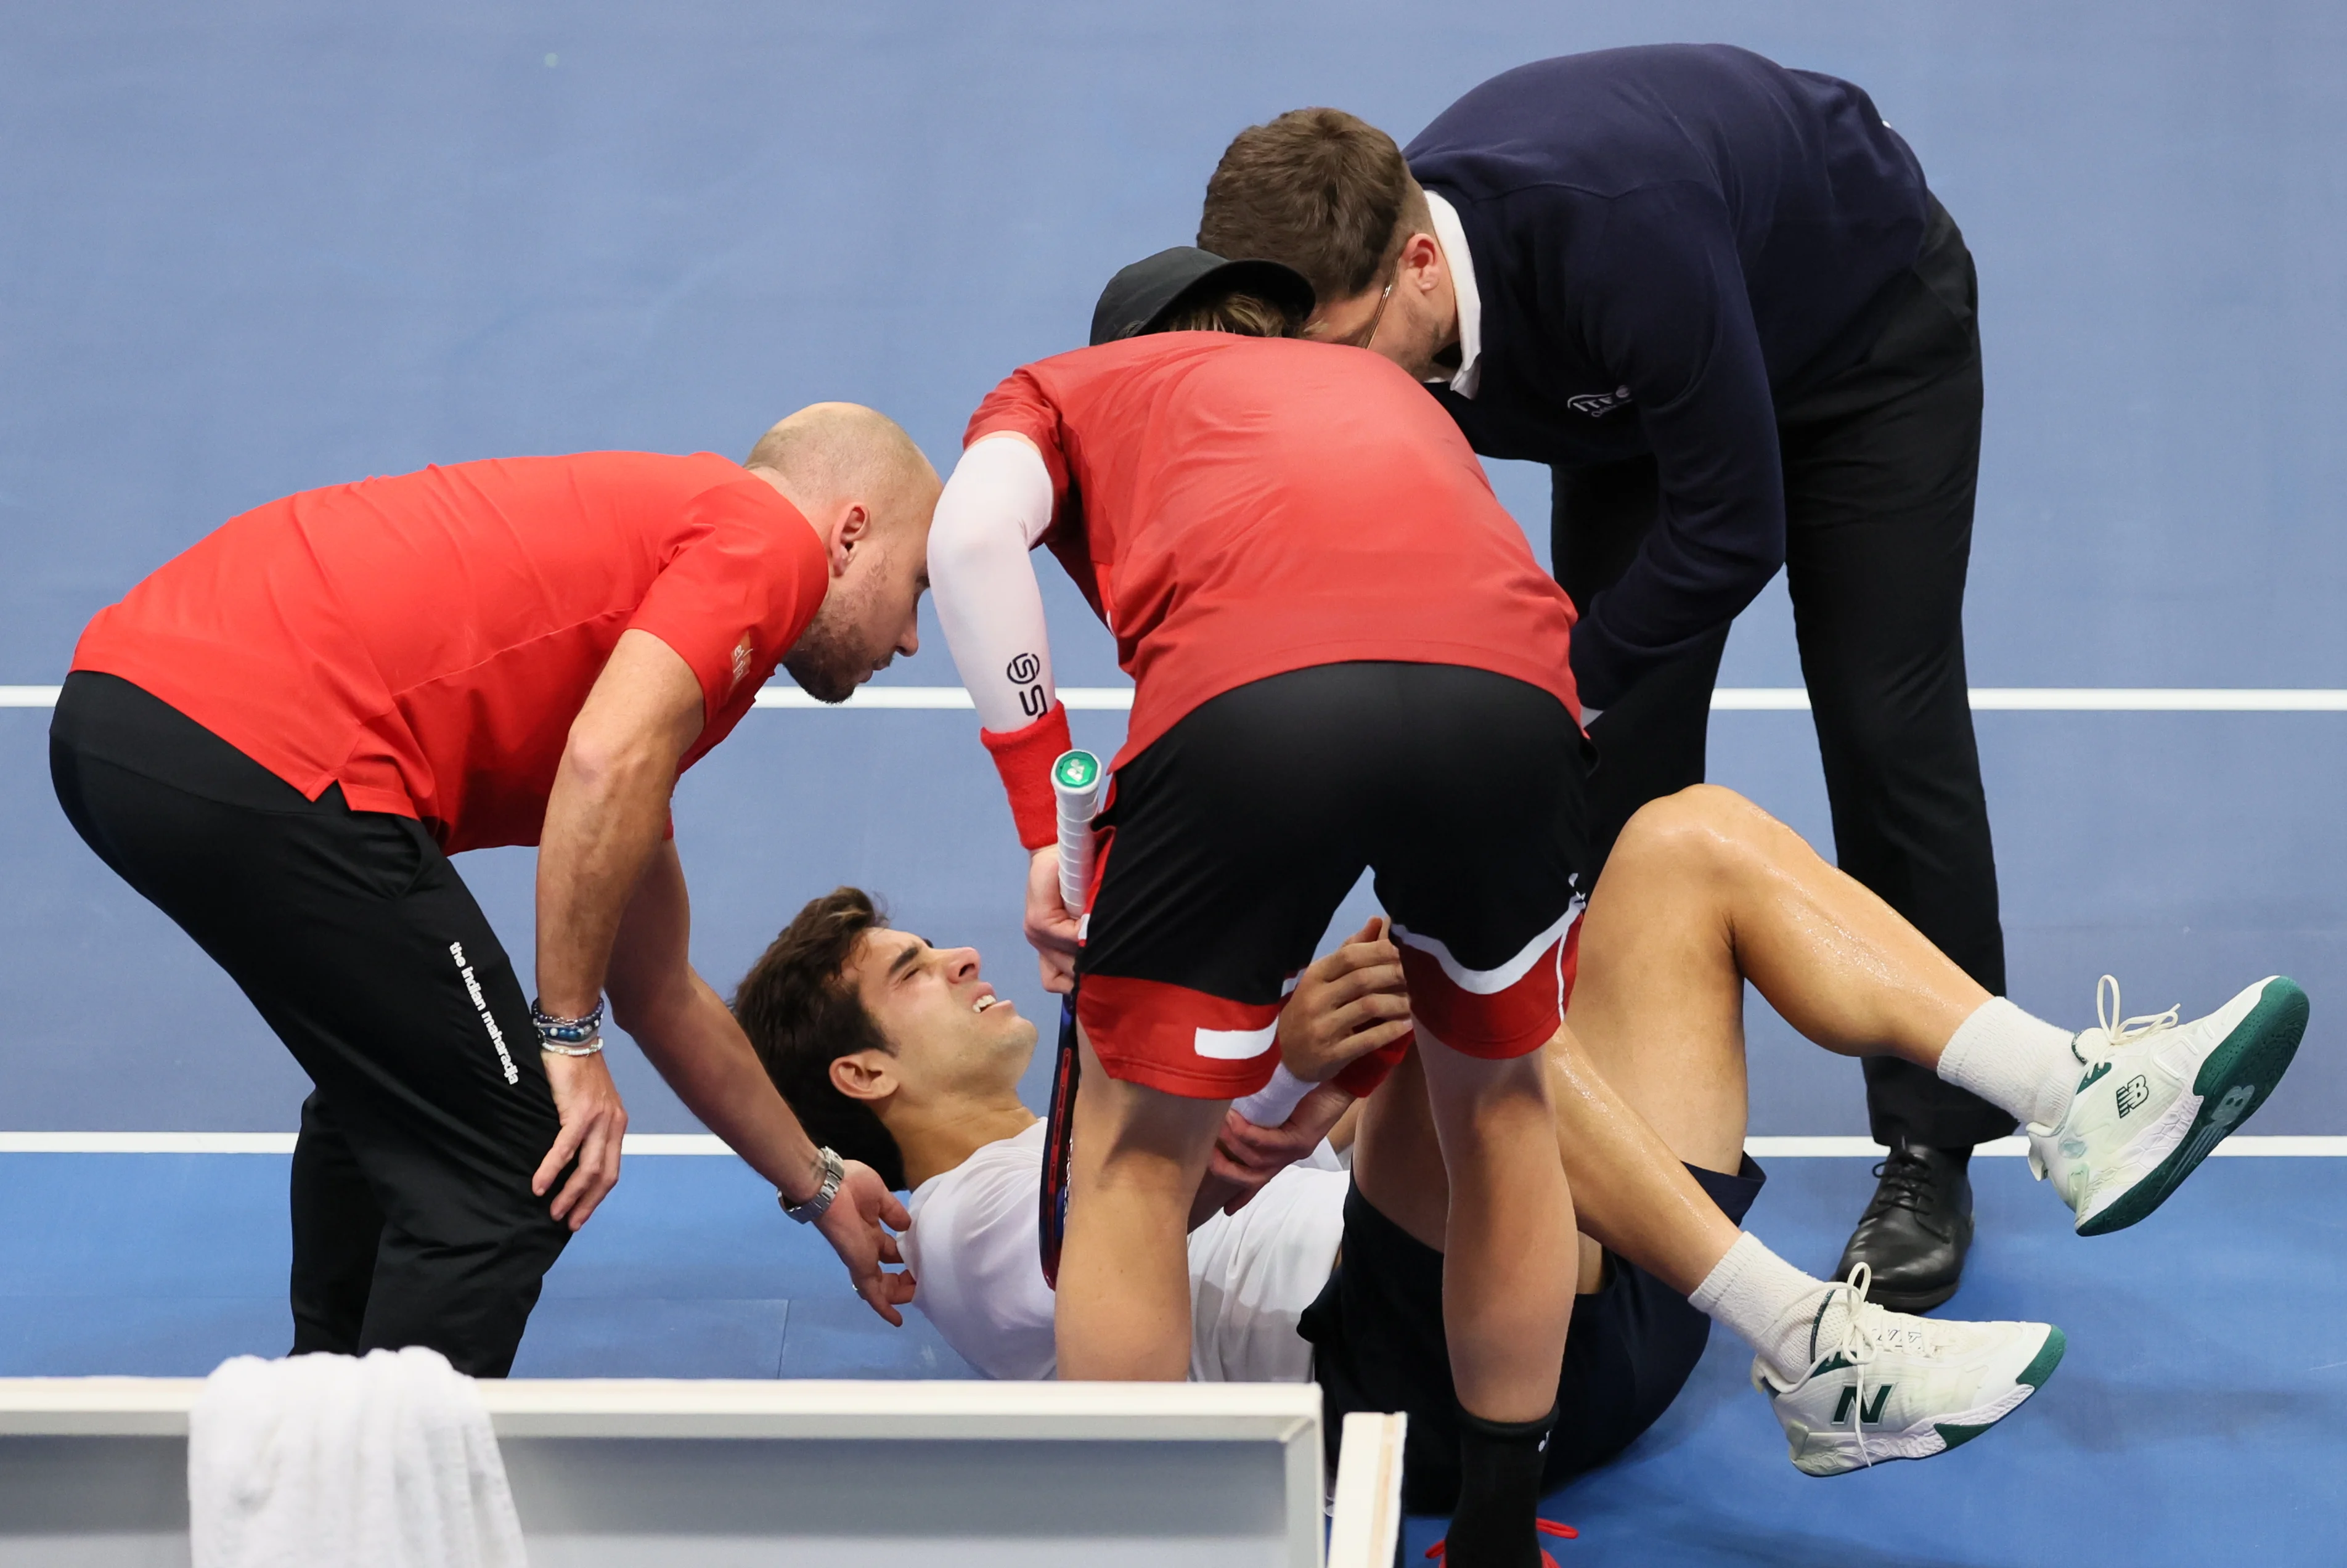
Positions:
{"x": 1248, "y": 315}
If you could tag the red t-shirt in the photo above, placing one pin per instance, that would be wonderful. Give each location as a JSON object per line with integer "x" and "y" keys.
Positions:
{"x": 426, "y": 640}
{"x": 1235, "y": 507}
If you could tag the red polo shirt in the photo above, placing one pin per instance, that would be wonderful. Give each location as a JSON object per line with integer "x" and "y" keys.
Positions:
{"x": 1235, "y": 507}
{"x": 426, "y": 640}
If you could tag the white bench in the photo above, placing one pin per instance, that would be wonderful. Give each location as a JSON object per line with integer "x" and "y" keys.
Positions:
{"x": 93, "y": 1472}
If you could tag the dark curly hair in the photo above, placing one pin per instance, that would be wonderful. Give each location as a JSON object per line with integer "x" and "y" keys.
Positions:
{"x": 801, "y": 1013}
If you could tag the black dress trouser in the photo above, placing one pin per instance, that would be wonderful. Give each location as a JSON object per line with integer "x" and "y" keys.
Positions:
{"x": 1880, "y": 463}
{"x": 351, "y": 933}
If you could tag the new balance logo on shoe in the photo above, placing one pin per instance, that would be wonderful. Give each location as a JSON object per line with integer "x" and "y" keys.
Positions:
{"x": 1871, "y": 1415}
{"x": 2133, "y": 1094}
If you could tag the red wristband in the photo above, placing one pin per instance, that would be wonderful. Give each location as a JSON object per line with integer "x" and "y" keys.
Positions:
{"x": 1024, "y": 759}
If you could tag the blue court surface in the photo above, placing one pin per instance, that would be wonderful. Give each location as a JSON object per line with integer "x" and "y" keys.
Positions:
{"x": 2200, "y": 1416}
{"x": 252, "y": 246}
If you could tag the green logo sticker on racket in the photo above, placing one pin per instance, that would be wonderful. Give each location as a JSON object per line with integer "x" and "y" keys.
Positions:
{"x": 1076, "y": 770}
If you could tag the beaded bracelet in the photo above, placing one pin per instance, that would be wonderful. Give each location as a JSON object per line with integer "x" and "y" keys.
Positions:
{"x": 593, "y": 1046}
{"x": 568, "y": 1031}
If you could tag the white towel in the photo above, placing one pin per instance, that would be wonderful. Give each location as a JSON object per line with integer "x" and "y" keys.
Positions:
{"x": 331, "y": 1461}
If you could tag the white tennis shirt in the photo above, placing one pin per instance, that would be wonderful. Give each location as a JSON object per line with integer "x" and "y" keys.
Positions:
{"x": 973, "y": 1249}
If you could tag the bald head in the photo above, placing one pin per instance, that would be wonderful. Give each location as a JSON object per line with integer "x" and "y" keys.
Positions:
{"x": 830, "y": 455}
{"x": 869, "y": 493}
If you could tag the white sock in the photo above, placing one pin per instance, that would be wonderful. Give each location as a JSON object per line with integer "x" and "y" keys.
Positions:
{"x": 1761, "y": 1297}
{"x": 2021, "y": 1065}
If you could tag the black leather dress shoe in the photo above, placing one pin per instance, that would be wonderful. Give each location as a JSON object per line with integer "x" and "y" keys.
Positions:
{"x": 1915, "y": 1233}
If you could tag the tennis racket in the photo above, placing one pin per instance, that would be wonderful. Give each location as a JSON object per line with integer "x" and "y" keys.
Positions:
{"x": 1076, "y": 785}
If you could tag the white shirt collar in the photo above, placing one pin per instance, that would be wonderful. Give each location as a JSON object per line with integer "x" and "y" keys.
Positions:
{"x": 1452, "y": 238}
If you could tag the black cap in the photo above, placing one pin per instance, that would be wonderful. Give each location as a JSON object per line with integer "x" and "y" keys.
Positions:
{"x": 1140, "y": 298}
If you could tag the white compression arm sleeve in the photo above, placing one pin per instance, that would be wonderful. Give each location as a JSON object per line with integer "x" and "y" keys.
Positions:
{"x": 995, "y": 507}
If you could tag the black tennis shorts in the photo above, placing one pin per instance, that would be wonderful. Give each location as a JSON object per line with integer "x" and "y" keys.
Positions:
{"x": 1378, "y": 1345}
{"x": 1227, "y": 845}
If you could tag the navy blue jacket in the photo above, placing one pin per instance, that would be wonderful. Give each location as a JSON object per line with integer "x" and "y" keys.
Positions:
{"x": 1669, "y": 243}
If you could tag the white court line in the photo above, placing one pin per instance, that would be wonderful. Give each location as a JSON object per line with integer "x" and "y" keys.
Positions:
{"x": 1727, "y": 698}
{"x": 2298, "y": 1145}
{"x": 2079, "y": 700}
{"x": 282, "y": 1144}
{"x": 641, "y": 1144}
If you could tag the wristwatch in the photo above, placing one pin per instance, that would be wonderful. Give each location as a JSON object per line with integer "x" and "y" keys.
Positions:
{"x": 834, "y": 1171}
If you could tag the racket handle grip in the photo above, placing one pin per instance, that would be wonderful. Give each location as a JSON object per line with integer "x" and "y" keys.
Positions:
{"x": 1076, "y": 780}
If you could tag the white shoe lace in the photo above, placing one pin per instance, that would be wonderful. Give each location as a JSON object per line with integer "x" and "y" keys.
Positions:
{"x": 1860, "y": 1345}
{"x": 2116, "y": 1031}
{"x": 2123, "y": 1031}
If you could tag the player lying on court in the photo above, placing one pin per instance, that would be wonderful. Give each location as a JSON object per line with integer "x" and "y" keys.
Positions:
{"x": 901, "y": 1055}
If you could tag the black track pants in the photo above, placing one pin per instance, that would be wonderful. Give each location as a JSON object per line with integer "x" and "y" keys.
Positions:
{"x": 1880, "y": 463}
{"x": 350, "y": 932}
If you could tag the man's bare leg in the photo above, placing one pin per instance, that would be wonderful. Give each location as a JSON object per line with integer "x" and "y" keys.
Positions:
{"x": 1705, "y": 891}
{"x": 1123, "y": 1307}
{"x": 1700, "y": 887}
{"x": 1702, "y": 890}
{"x": 1398, "y": 1164}
{"x": 1630, "y": 1191}
{"x": 1850, "y": 975}
{"x": 1507, "y": 1284}
{"x": 1507, "y": 1290}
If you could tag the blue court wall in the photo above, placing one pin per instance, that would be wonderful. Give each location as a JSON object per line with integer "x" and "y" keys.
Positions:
{"x": 247, "y": 249}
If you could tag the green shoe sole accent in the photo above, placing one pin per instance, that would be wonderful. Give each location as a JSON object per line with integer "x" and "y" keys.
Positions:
{"x": 1957, "y": 1436}
{"x": 2049, "y": 1356}
{"x": 2254, "y": 1056}
{"x": 2041, "y": 1366}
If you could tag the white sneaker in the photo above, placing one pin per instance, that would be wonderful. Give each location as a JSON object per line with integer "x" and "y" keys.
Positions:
{"x": 2156, "y": 1096}
{"x": 1893, "y": 1385}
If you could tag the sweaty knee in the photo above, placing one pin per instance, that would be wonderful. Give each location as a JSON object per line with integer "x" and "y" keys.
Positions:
{"x": 1704, "y": 827}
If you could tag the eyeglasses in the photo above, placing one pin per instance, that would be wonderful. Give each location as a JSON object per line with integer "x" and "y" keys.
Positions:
{"x": 1369, "y": 335}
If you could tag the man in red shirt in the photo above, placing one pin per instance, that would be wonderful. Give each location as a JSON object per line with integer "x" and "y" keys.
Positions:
{"x": 281, "y": 736}
{"x": 1345, "y": 656}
